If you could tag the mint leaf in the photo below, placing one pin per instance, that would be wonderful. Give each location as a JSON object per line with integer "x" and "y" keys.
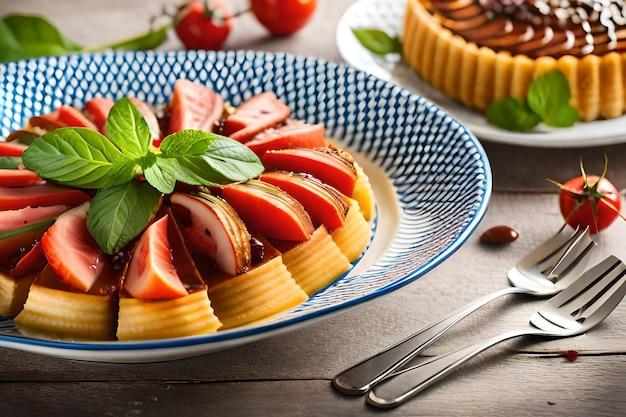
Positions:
{"x": 29, "y": 36}
{"x": 78, "y": 157}
{"x": 10, "y": 162}
{"x": 512, "y": 114}
{"x": 203, "y": 158}
{"x": 120, "y": 213}
{"x": 161, "y": 175}
{"x": 127, "y": 128}
{"x": 378, "y": 41}
{"x": 549, "y": 97}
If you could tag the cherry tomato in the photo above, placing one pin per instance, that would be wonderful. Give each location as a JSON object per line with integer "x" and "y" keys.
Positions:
{"x": 593, "y": 202}
{"x": 203, "y": 24}
{"x": 283, "y": 17}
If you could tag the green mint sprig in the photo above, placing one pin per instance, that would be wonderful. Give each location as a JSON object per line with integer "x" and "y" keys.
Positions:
{"x": 124, "y": 204}
{"x": 378, "y": 41}
{"x": 547, "y": 101}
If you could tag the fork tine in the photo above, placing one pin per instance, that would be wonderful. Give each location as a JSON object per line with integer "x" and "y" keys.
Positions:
{"x": 587, "y": 294}
{"x": 573, "y": 252}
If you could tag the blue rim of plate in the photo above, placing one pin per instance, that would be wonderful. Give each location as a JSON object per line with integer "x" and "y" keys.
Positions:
{"x": 362, "y": 112}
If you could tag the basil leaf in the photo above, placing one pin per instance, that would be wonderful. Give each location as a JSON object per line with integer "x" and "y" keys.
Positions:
{"x": 149, "y": 40}
{"x": 29, "y": 36}
{"x": 161, "y": 175}
{"x": 564, "y": 116}
{"x": 10, "y": 162}
{"x": 378, "y": 41}
{"x": 78, "y": 157}
{"x": 202, "y": 157}
{"x": 512, "y": 114}
{"x": 127, "y": 128}
{"x": 118, "y": 214}
{"x": 549, "y": 96}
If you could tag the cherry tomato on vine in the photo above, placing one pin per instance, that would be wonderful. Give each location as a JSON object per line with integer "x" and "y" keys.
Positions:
{"x": 283, "y": 17}
{"x": 590, "y": 200}
{"x": 203, "y": 24}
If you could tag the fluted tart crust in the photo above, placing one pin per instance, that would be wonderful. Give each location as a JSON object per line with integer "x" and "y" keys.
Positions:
{"x": 476, "y": 51}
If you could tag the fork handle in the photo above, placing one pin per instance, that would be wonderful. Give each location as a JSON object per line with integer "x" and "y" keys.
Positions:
{"x": 404, "y": 385}
{"x": 358, "y": 379}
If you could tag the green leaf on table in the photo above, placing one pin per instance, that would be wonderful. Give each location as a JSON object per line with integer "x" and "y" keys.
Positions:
{"x": 120, "y": 213}
{"x": 549, "y": 96}
{"x": 148, "y": 40}
{"x": 378, "y": 41}
{"x": 512, "y": 114}
{"x": 128, "y": 130}
{"x": 78, "y": 157}
{"x": 30, "y": 36}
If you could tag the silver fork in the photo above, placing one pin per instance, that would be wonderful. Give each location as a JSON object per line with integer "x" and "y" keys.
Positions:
{"x": 576, "y": 309}
{"x": 545, "y": 271}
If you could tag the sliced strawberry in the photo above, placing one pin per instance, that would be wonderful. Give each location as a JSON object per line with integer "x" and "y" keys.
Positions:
{"x": 97, "y": 110}
{"x": 214, "y": 229}
{"x": 34, "y": 260}
{"x": 329, "y": 164}
{"x": 72, "y": 252}
{"x": 19, "y": 178}
{"x": 194, "y": 106}
{"x": 12, "y": 148}
{"x": 71, "y": 116}
{"x": 254, "y": 115}
{"x": 269, "y": 210}
{"x": 13, "y": 219}
{"x": 15, "y": 198}
{"x": 324, "y": 204}
{"x": 151, "y": 274}
{"x": 292, "y": 134}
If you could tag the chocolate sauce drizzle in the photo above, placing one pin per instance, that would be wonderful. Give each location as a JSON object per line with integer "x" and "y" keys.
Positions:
{"x": 538, "y": 27}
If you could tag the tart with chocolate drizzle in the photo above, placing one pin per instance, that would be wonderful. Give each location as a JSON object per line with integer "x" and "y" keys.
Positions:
{"x": 476, "y": 51}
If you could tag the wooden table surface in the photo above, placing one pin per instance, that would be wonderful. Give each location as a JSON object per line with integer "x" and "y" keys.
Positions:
{"x": 290, "y": 374}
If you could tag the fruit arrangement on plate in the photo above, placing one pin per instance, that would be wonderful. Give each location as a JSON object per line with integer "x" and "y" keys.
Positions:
{"x": 122, "y": 221}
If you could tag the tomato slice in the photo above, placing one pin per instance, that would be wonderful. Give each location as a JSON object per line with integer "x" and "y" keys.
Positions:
{"x": 14, "y": 198}
{"x": 293, "y": 134}
{"x": 71, "y": 116}
{"x": 269, "y": 210}
{"x": 12, "y": 148}
{"x": 323, "y": 203}
{"x": 97, "y": 110}
{"x": 72, "y": 252}
{"x": 151, "y": 273}
{"x": 19, "y": 178}
{"x": 326, "y": 164}
{"x": 194, "y": 106}
{"x": 254, "y": 115}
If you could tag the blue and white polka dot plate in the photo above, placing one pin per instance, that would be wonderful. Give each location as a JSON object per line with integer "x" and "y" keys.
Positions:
{"x": 430, "y": 175}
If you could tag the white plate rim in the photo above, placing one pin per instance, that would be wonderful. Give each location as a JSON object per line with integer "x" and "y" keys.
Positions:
{"x": 596, "y": 133}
